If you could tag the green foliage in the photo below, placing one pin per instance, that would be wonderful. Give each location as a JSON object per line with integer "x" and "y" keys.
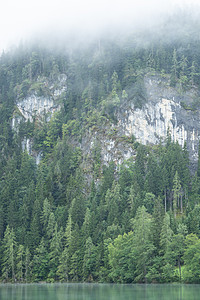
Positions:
{"x": 144, "y": 249}
{"x": 120, "y": 258}
{"x": 191, "y": 258}
{"x": 176, "y": 192}
{"x": 89, "y": 261}
{"x": 20, "y": 263}
{"x": 40, "y": 262}
{"x": 72, "y": 128}
{"x": 129, "y": 255}
{"x": 55, "y": 252}
{"x": 9, "y": 255}
{"x": 137, "y": 222}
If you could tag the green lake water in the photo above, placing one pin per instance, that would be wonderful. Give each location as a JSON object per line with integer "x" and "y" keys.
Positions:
{"x": 73, "y": 291}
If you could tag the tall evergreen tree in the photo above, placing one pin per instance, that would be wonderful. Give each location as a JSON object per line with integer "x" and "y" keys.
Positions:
{"x": 142, "y": 238}
{"x": 89, "y": 261}
{"x": 176, "y": 192}
{"x": 55, "y": 252}
{"x": 40, "y": 262}
{"x": 20, "y": 263}
{"x": 9, "y": 255}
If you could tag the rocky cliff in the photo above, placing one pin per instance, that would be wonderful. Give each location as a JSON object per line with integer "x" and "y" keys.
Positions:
{"x": 40, "y": 105}
{"x": 166, "y": 109}
{"x": 42, "y": 100}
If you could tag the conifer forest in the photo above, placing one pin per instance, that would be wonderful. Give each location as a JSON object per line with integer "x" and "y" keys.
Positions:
{"x": 71, "y": 217}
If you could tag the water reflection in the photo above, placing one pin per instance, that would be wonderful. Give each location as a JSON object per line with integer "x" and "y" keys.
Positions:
{"x": 74, "y": 291}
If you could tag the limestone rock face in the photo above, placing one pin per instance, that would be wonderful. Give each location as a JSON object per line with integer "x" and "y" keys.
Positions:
{"x": 34, "y": 105}
{"x": 113, "y": 147}
{"x": 39, "y": 106}
{"x": 163, "y": 112}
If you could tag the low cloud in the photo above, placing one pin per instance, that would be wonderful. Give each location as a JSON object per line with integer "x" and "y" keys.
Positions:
{"x": 22, "y": 20}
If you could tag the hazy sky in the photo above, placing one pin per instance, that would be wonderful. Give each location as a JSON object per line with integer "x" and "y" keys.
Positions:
{"x": 22, "y": 19}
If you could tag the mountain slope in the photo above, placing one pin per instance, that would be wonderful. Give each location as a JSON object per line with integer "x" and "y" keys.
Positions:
{"x": 97, "y": 145}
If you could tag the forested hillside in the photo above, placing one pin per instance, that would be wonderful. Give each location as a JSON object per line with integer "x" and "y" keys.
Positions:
{"x": 133, "y": 221}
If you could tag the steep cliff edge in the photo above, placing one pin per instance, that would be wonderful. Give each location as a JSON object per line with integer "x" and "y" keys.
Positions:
{"x": 166, "y": 109}
{"x": 42, "y": 100}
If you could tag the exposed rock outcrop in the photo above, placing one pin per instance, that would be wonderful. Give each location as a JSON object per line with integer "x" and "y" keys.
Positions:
{"x": 162, "y": 112}
{"x": 40, "y": 107}
{"x": 165, "y": 110}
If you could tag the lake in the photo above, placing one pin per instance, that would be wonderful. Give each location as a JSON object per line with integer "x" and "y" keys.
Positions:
{"x": 73, "y": 291}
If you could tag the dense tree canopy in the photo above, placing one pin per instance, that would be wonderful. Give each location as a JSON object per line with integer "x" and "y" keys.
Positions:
{"x": 138, "y": 221}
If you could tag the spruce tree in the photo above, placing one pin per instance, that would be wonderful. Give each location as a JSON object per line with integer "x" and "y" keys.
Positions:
{"x": 9, "y": 255}
{"x": 40, "y": 263}
{"x": 27, "y": 265}
{"x": 176, "y": 192}
{"x": 56, "y": 248}
{"x": 20, "y": 263}
{"x": 89, "y": 260}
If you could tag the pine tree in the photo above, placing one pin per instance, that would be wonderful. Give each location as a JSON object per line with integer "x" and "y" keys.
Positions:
{"x": 27, "y": 264}
{"x": 20, "y": 263}
{"x": 164, "y": 185}
{"x": 64, "y": 266}
{"x": 89, "y": 261}
{"x": 40, "y": 262}
{"x": 176, "y": 192}
{"x": 183, "y": 72}
{"x": 140, "y": 167}
{"x": 165, "y": 242}
{"x": 157, "y": 221}
{"x": 45, "y": 212}
{"x": 9, "y": 255}
{"x": 35, "y": 225}
{"x": 13, "y": 211}
{"x": 77, "y": 210}
{"x": 193, "y": 73}
{"x": 191, "y": 258}
{"x": 166, "y": 234}
{"x": 51, "y": 226}
{"x": 113, "y": 203}
{"x": 55, "y": 252}
{"x": 131, "y": 201}
{"x": 193, "y": 220}
{"x": 174, "y": 69}
{"x": 64, "y": 259}
{"x": 74, "y": 267}
{"x": 86, "y": 228}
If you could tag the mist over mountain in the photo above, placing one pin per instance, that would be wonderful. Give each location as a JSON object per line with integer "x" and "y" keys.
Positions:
{"x": 55, "y": 22}
{"x": 99, "y": 146}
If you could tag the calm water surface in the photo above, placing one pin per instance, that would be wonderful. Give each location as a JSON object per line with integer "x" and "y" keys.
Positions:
{"x": 73, "y": 291}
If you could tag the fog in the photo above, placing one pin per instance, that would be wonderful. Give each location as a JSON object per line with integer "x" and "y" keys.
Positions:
{"x": 24, "y": 20}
